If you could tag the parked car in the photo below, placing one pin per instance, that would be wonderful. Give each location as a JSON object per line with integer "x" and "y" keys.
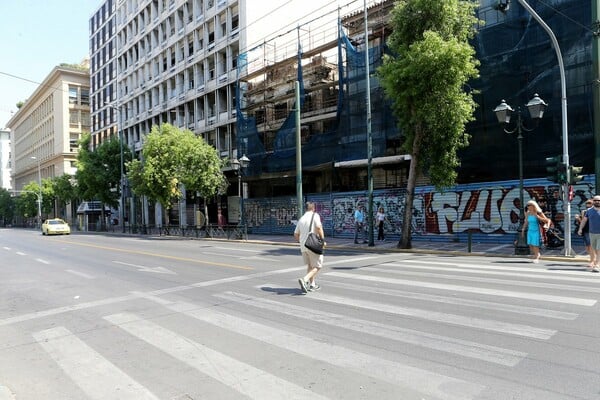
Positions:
{"x": 55, "y": 226}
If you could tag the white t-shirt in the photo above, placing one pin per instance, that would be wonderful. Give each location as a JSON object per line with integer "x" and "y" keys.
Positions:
{"x": 302, "y": 227}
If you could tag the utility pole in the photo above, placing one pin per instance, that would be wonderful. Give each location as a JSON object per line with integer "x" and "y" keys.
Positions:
{"x": 596, "y": 87}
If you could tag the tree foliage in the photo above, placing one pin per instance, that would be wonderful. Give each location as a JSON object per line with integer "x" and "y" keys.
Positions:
{"x": 99, "y": 171}
{"x": 64, "y": 189}
{"x": 27, "y": 202}
{"x": 425, "y": 79}
{"x": 7, "y": 206}
{"x": 172, "y": 157}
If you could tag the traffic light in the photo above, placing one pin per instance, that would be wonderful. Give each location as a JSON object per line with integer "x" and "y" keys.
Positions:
{"x": 561, "y": 174}
{"x": 552, "y": 167}
{"x": 574, "y": 174}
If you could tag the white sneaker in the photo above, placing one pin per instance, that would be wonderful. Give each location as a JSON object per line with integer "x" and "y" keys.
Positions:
{"x": 595, "y": 269}
{"x": 536, "y": 261}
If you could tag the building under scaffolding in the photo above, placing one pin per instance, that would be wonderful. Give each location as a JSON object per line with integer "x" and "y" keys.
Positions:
{"x": 329, "y": 65}
{"x": 517, "y": 61}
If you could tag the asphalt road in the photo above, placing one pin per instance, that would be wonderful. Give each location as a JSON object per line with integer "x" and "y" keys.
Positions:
{"x": 107, "y": 317}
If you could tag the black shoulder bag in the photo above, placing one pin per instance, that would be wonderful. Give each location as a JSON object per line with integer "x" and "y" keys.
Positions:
{"x": 314, "y": 242}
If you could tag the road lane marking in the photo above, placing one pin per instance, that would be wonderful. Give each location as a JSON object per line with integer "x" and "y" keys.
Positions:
{"x": 468, "y": 289}
{"x": 488, "y": 305}
{"x": 81, "y": 274}
{"x": 540, "y": 270}
{"x": 416, "y": 379}
{"x": 464, "y": 348}
{"x": 513, "y": 282}
{"x": 240, "y": 257}
{"x": 40, "y": 260}
{"x": 142, "y": 268}
{"x": 145, "y": 253}
{"x": 95, "y": 375}
{"x": 20, "y": 253}
{"x": 228, "y": 249}
{"x": 504, "y": 272}
{"x": 445, "y": 318}
{"x": 244, "y": 378}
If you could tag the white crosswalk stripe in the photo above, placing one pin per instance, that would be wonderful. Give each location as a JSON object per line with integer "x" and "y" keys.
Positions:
{"x": 468, "y": 289}
{"x": 563, "y": 276}
{"x": 454, "y": 319}
{"x": 432, "y": 384}
{"x": 463, "y": 348}
{"x": 88, "y": 369}
{"x": 482, "y": 304}
{"x": 244, "y": 378}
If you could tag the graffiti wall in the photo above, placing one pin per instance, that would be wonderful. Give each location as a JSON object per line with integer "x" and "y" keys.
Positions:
{"x": 484, "y": 209}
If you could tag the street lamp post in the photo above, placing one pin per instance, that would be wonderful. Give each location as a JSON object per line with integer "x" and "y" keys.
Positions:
{"x": 536, "y": 107}
{"x": 239, "y": 165}
{"x": 122, "y": 181}
{"x": 40, "y": 191}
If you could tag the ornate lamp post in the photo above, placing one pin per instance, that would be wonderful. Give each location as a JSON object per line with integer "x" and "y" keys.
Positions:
{"x": 239, "y": 165}
{"x": 536, "y": 107}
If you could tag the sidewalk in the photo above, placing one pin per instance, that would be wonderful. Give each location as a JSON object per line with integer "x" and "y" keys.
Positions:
{"x": 457, "y": 248}
{"x": 418, "y": 246}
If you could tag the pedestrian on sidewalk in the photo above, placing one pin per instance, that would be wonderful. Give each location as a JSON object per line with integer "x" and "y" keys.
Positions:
{"x": 586, "y": 234}
{"x": 592, "y": 215}
{"x": 359, "y": 224}
{"x": 533, "y": 224}
{"x": 380, "y": 223}
{"x": 314, "y": 262}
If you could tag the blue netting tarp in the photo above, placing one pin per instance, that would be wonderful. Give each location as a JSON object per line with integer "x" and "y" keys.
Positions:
{"x": 343, "y": 139}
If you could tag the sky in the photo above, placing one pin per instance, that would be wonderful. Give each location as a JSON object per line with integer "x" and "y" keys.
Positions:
{"x": 38, "y": 35}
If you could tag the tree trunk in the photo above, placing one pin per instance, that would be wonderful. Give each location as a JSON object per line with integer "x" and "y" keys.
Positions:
{"x": 102, "y": 217}
{"x": 405, "y": 239}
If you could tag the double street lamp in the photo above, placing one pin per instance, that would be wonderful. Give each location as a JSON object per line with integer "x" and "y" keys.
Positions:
{"x": 239, "y": 165}
{"x": 503, "y": 111}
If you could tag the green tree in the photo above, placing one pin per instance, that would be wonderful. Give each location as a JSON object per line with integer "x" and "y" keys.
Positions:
{"x": 173, "y": 157}
{"x": 425, "y": 79}
{"x": 7, "y": 206}
{"x": 99, "y": 171}
{"x": 65, "y": 191}
{"x": 27, "y": 202}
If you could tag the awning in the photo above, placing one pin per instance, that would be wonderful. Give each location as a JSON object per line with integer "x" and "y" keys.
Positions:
{"x": 374, "y": 161}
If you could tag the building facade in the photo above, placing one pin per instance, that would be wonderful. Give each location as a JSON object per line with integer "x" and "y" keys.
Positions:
{"x": 5, "y": 159}
{"x": 46, "y": 129}
{"x": 157, "y": 61}
{"x": 103, "y": 73}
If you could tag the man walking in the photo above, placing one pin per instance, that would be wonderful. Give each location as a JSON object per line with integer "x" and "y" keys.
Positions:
{"x": 314, "y": 262}
{"x": 592, "y": 215}
{"x": 359, "y": 224}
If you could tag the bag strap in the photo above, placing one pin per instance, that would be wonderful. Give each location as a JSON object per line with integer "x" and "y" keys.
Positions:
{"x": 311, "y": 221}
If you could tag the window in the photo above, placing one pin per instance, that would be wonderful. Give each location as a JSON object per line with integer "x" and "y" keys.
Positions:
{"x": 85, "y": 97}
{"x": 72, "y": 95}
{"x": 74, "y": 117}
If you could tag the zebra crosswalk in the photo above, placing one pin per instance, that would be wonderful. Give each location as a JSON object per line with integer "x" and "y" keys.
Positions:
{"x": 398, "y": 330}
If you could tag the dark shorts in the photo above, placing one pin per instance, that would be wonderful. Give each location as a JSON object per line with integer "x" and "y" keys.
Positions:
{"x": 586, "y": 239}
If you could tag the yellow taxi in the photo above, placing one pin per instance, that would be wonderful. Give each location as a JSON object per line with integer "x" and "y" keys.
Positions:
{"x": 55, "y": 226}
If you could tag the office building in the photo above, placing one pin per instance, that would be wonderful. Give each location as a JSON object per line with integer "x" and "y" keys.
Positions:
{"x": 46, "y": 129}
{"x": 5, "y": 159}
